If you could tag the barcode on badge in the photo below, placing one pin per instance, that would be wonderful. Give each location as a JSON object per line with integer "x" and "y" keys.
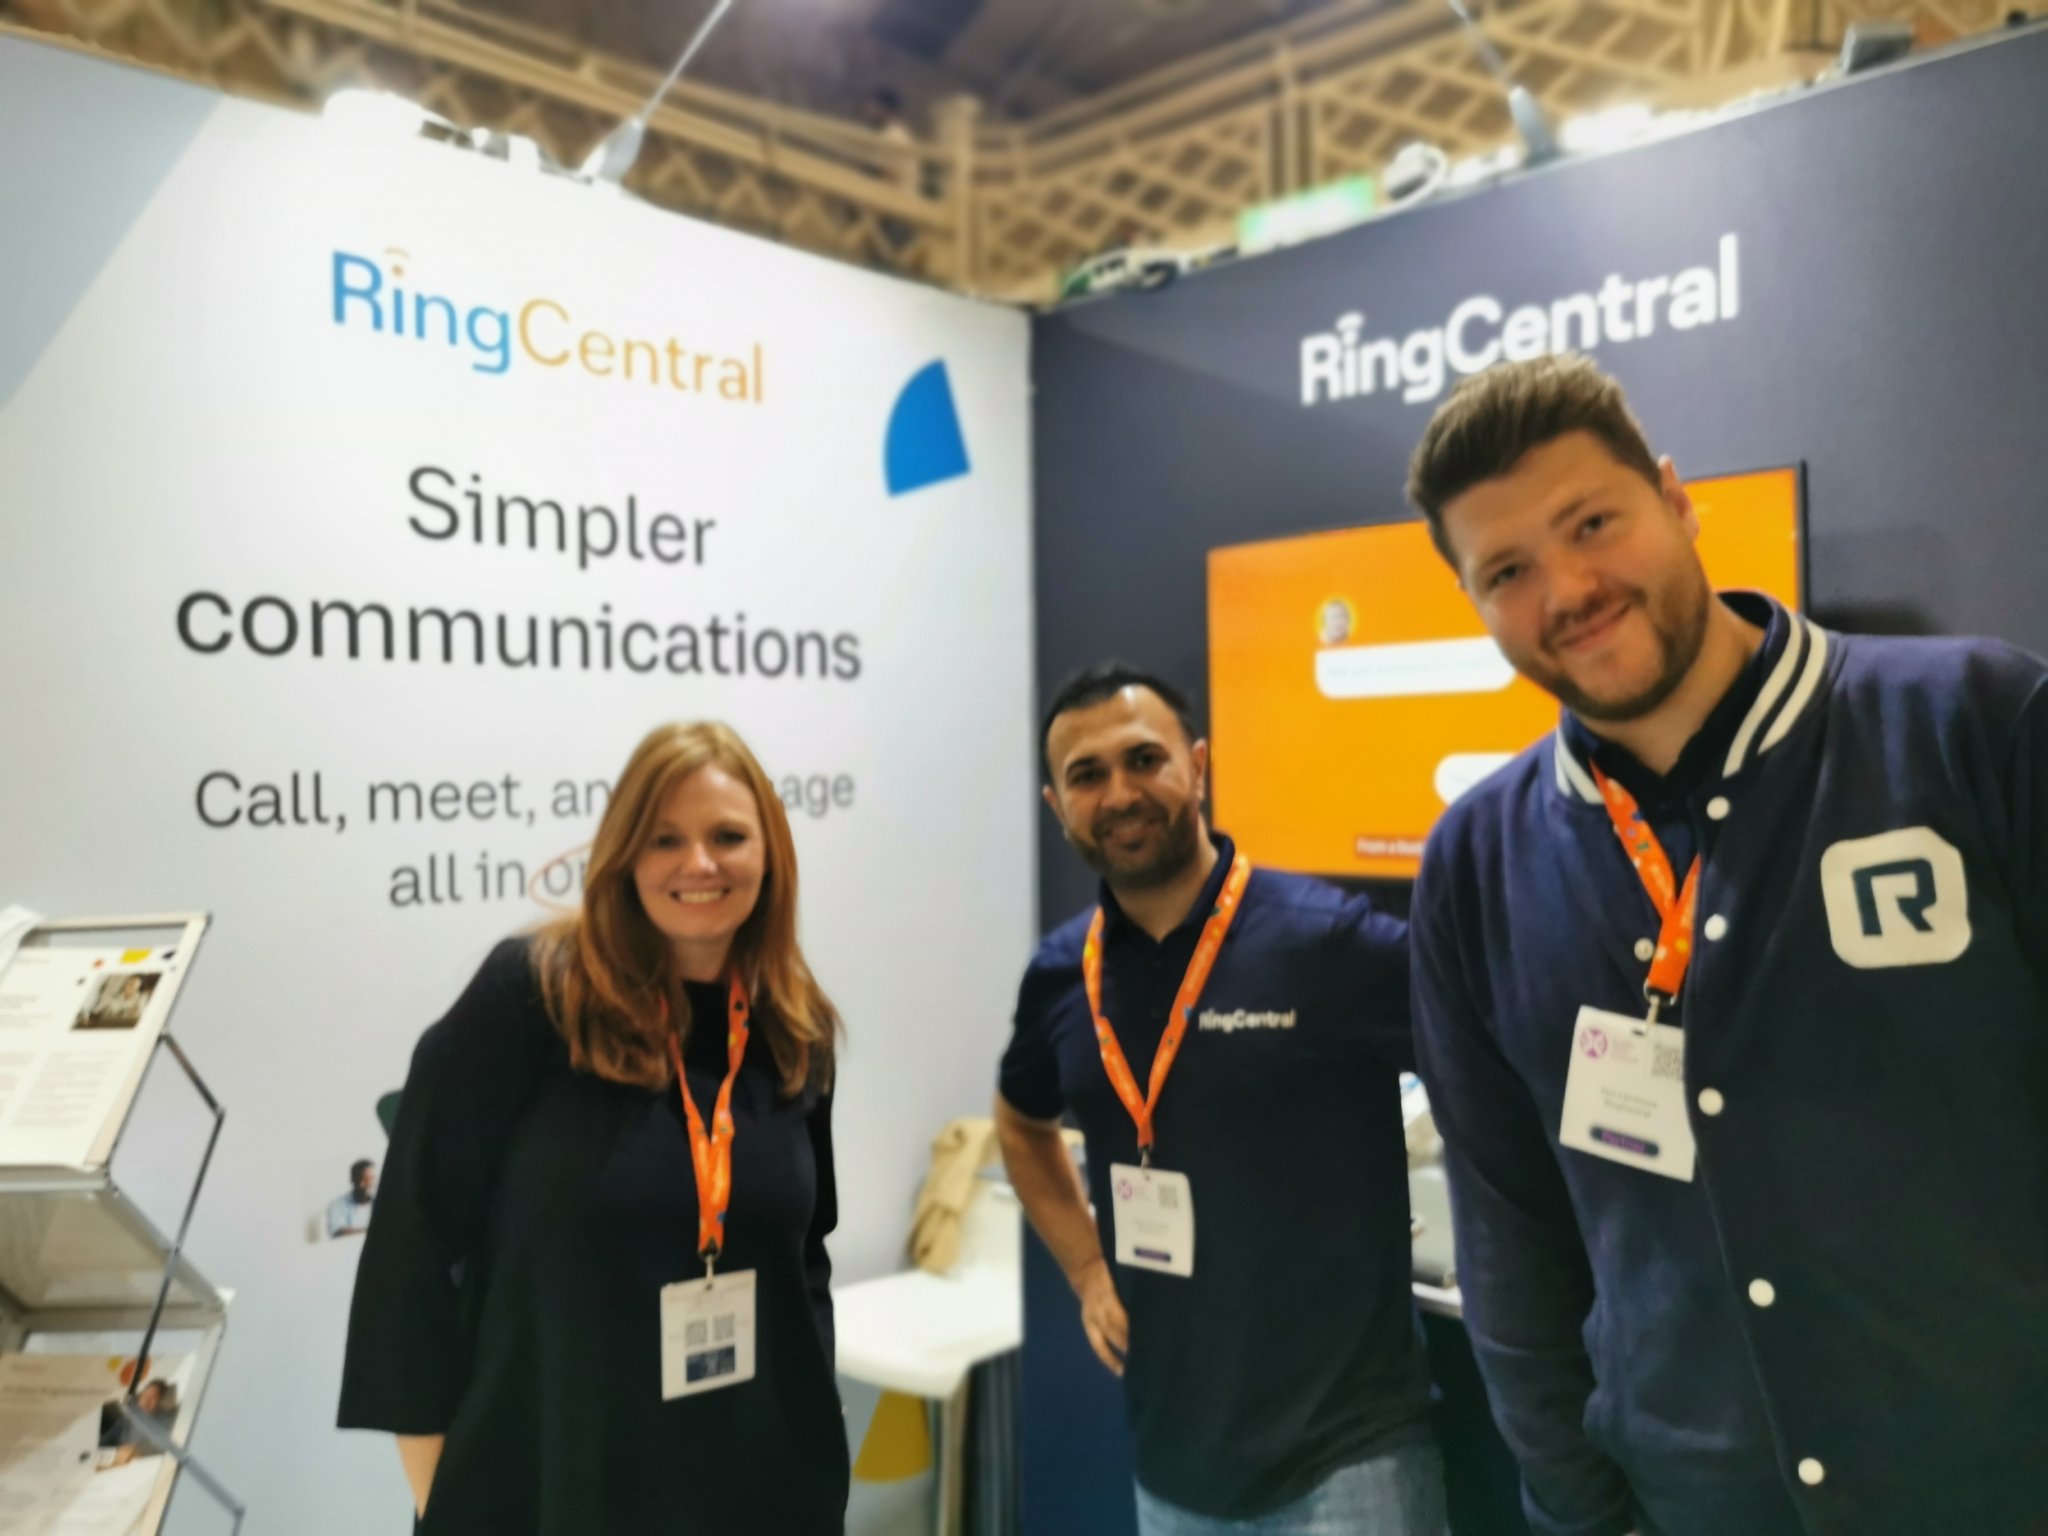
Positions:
{"x": 1668, "y": 1061}
{"x": 1168, "y": 1198}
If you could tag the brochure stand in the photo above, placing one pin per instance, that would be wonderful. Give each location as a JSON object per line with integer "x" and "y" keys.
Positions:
{"x": 93, "y": 1423}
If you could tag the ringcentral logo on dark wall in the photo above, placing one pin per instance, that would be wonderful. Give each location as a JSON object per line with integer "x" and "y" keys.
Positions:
{"x": 1344, "y": 363}
{"x": 1761, "y": 295}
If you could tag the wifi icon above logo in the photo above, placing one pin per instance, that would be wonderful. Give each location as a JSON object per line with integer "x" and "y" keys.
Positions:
{"x": 924, "y": 444}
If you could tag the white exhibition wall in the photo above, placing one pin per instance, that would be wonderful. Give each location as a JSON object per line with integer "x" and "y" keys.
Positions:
{"x": 266, "y": 655}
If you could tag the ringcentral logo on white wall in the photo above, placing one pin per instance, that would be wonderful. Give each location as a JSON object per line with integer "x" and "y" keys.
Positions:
{"x": 539, "y": 331}
{"x": 1342, "y": 364}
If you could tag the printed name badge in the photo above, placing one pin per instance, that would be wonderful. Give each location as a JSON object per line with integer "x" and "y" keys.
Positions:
{"x": 707, "y": 1334}
{"x": 1155, "y": 1219}
{"x": 1625, "y": 1096}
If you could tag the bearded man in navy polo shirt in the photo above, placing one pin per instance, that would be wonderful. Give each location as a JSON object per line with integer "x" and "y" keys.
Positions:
{"x": 1230, "y": 1041}
{"x": 1731, "y": 1001}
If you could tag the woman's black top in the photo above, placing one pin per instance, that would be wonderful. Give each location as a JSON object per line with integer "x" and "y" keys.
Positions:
{"x": 509, "y": 1291}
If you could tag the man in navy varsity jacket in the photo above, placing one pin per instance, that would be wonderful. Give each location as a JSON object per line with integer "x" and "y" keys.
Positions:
{"x": 1251, "y": 1285}
{"x": 1751, "y": 1180}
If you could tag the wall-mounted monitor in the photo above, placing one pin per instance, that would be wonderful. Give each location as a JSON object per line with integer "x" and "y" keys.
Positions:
{"x": 1354, "y": 694}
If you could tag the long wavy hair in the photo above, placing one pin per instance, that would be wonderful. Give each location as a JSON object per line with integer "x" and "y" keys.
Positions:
{"x": 605, "y": 971}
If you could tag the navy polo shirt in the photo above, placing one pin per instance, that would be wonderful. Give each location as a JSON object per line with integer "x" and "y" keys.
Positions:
{"x": 1293, "y": 1350}
{"x": 1840, "y": 1326}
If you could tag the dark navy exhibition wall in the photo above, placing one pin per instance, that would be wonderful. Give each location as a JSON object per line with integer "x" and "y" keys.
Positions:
{"x": 1889, "y": 329}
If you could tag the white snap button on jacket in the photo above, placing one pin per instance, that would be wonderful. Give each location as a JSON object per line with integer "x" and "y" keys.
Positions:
{"x": 1762, "y": 1292}
{"x": 1812, "y": 1473}
{"x": 1711, "y": 1102}
{"x": 1717, "y": 926}
{"x": 1717, "y": 808}
{"x": 1645, "y": 948}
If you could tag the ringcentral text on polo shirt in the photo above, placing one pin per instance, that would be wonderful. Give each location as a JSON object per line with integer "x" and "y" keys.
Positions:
{"x": 1343, "y": 363}
{"x": 1243, "y": 1018}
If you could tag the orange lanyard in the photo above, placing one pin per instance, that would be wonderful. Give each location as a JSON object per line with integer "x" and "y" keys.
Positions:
{"x": 1674, "y": 904}
{"x": 1184, "y": 1002}
{"x": 711, "y": 1155}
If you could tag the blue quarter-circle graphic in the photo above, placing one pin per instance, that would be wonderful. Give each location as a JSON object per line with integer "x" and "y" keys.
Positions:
{"x": 925, "y": 445}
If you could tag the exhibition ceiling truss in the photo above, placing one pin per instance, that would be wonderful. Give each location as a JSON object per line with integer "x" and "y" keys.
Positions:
{"x": 1169, "y": 159}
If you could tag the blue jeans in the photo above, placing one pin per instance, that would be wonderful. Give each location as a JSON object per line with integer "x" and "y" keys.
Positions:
{"x": 1398, "y": 1494}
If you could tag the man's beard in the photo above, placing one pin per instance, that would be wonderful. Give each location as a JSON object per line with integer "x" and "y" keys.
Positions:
{"x": 1678, "y": 620}
{"x": 1176, "y": 851}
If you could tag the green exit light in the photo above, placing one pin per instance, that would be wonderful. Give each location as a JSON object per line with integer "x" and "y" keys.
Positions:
{"x": 1318, "y": 211}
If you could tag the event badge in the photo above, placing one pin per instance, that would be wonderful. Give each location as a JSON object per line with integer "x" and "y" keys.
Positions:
{"x": 1624, "y": 1098}
{"x": 1155, "y": 1219}
{"x": 707, "y": 1334}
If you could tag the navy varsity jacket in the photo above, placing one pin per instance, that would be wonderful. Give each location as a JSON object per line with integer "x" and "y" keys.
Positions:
{"x": 1840, "y": 1326}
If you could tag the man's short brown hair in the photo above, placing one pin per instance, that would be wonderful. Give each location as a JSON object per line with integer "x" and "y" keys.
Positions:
{"x": 1493, "y": 418}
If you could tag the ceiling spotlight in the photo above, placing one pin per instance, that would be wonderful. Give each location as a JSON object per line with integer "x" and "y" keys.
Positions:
{"x": 1414, "y": 174}
{"x": 375, "y": 114}
{"x": 1532, "y": 125}
{"x": 515, "y": 149}
{"x": 1523, "y": 108}
{"x": 1615, "y": 128}
{"x": 1867, "y": 44}
{"x": 615, "y": 153}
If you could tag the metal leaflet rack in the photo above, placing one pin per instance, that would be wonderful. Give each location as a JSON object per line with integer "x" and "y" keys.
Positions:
{"x": 79, "y": 1256}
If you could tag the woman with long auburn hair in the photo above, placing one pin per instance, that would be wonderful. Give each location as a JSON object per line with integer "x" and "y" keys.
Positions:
{"x": 593, "y": 1297}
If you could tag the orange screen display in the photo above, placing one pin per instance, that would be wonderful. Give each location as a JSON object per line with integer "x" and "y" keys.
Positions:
{"x": 1354, "y": 694}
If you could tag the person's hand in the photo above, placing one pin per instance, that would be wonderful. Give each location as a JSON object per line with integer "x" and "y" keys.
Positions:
{"x": 1102, "y": 1315}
